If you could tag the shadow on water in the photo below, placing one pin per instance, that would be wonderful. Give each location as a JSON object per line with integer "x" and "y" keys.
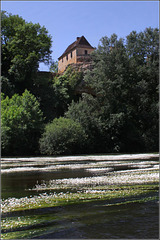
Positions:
{"x": 95, "y": 221}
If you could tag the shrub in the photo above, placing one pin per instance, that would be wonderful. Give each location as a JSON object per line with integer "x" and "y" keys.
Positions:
{"x": 62, "y": 136}
{"x": 21, "y": 124}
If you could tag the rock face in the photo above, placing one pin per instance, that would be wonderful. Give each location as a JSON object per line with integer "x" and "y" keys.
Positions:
{"x": 43, "y": 77}
{"x": 83, "y": 66}
{"x": 82, "y": 87}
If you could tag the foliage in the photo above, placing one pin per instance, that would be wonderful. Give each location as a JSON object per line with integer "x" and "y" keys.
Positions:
{"x": 55, "y": 92}
{"x": 54, "y": 67}
{"x": 21, "y": 124}
{"x": 24, "y": 46}
{"x": 86, "y": 112}
{"x": 7, "y": 87}
{"x": 122, "y": 116}
{"x": 124, "y": 77}
{"x": 64, "y": 87}
{"x": 44, "y": 92}
{"x": 62, "y": 136}
{"x": 143, "y": 51}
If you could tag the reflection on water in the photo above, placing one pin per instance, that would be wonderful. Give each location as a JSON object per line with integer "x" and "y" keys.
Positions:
{"x": 88, "y": 220}
{"x": 17, "y": 184}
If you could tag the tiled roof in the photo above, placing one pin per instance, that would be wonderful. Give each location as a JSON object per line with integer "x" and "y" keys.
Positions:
{"x": 80, "y": 42}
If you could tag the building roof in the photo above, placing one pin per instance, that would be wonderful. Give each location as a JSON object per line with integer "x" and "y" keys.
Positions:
{"x": 80, "y": 42}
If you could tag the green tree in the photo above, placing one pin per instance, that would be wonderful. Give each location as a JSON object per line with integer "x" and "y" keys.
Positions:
{"x": 54, "y": 66}
{"x": 62, "y": 136}
{"x": 143, "y": 51}
{"x": 106, "y": 114}
{"x": 86, "y": 112}
{"x": 64, "y": 88}
{"x": 125, "y": 82}
{"x": 24, "y": 46}
{"x": 21, "y": 124}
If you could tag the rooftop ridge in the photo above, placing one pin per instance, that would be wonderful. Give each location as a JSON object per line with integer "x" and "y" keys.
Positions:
{"x": 80, "y": 41}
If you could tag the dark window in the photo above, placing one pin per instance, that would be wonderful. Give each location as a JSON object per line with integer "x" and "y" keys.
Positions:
{"x": 85, "y": 52}
{"x": 62, "y": 59}
{"x": 71, "y": 54}
{"x": 67, "y": 57}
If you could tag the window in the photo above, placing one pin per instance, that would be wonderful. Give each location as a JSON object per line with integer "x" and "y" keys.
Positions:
{"x": 71, "y": 54}
{"x": 85, "y": 52}
{"x": 62, "y": 60}
{"x": 67, "y": 57}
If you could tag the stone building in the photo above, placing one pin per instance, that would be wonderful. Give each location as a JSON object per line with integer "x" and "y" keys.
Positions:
{"x": 77, "y": 53}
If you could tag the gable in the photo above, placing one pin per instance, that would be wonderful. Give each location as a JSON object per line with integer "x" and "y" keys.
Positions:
{"x": 83, "y": 41}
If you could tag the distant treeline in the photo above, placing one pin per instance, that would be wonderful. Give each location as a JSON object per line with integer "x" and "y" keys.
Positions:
{"x": 43, "y": 114}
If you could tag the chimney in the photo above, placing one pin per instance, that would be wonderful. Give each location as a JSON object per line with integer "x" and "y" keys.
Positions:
{"x": 78, "y": 38}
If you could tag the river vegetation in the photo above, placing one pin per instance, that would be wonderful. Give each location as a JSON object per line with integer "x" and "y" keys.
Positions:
{"x": 118, "y": 114}
{"x": 68, "y": 197}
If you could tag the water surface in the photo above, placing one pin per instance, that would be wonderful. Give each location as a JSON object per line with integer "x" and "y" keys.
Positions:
{"x": 116, "y": 196}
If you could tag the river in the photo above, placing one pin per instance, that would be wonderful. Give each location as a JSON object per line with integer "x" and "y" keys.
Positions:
{"x": 80, "y": 197}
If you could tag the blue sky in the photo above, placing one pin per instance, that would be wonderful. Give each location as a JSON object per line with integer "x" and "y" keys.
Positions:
{"x": 66, "y": 20}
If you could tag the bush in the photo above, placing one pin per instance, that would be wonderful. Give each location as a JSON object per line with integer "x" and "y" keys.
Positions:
{"x": 22, "y": 124}
{"x": 62, "y": 136}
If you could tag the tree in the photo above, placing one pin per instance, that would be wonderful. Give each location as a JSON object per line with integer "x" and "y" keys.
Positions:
{"x": 86, "y": 112}
{"x": 106, "y": 114}
{"x": 143, "y": 51}
{"x": 24, "y": 46}
{"x": 64, "y": 88}
{"x": 21, "y": 124}
{"x": 125, "y": 82}
{"x": 54, "y": 66}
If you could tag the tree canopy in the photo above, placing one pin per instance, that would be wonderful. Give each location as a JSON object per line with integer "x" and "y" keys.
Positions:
{"x": 124, "y": 111}
{"x": 24, "y": 46}
{"x": 22, "y": 124}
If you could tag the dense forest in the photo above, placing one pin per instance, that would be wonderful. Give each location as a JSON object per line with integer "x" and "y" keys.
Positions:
{"x": 46, "y": 115}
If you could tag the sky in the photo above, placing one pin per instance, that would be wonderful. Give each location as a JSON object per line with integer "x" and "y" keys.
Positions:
{"x": 67, "y": 20}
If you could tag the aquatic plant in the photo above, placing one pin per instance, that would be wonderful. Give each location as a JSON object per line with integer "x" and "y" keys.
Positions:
{"x": 112, "y": 183}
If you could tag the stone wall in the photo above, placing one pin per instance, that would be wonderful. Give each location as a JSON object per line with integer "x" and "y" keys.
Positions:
{"x": 81, "y": 51}
{"x": 76, "y": 56}
{"x": 67, "y": 59}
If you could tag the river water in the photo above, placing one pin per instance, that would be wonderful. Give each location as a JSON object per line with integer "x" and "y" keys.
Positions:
{"x": 130, "y": 217}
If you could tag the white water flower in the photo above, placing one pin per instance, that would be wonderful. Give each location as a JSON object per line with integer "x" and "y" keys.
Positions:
{"x": 89, "y": 165}
{"x": 146, "y": 172}
{"x": 99, "y": 169}
{"x": 125, "y": 178}
{"x": 88, "y": 157}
